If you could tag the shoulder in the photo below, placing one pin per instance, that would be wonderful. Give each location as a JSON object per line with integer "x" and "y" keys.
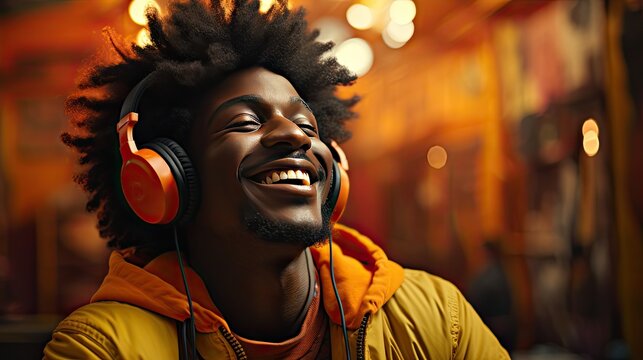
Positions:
{"x": 425, "y": 307}
{"x": 110, "y": 317}
{"x": 439, "y": 317}
{"x": 429, "y": 297}
{"x": 108, "y": 330}
{"x": 431, "y": 288}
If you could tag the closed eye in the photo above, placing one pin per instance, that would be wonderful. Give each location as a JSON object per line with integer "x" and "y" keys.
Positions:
{"x": 308, "y": 127}
{"x": 244, "y": 124}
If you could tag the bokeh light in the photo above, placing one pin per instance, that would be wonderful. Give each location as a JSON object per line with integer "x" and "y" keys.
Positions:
{"x": 137, "y": 9}
{"x": 359, "y": 16}
{"x": 265, "y": 5}
{"x": 437, "y": 157}
{"x": 402, "y": 11}
{"x": 590, "y": 124}
{"x": 591, "y": 143}
{"x": 143, "y": 38}
{"x": 331, "y": 29}
{"x": 356, "y": 54}
{"x": 390, "y": 42}
{"x": 400, "y": 33}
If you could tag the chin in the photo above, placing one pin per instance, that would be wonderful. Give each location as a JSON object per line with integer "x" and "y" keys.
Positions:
{"x": 286, "y": 231}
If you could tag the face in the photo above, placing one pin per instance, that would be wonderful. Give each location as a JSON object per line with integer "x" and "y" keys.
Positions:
{"x": 259, "y": 157}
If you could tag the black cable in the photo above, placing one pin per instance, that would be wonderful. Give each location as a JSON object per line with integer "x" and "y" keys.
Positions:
{"x": 187, "y": 293}
{"x": 339, "y": 301}
{"x": 184, "y": 342}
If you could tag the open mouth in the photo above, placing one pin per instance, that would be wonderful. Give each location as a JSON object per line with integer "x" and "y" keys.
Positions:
{"x": 285, "y": 176}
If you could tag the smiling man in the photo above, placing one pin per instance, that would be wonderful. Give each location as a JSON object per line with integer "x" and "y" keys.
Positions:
{"x": 219, "y": 186}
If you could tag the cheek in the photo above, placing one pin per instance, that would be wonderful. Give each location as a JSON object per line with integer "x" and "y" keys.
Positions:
{"x": 219, "y": 168}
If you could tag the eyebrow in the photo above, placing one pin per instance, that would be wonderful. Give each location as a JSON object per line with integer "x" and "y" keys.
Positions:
{"x": 297, "y": 99}
{"x": 254, "y": 100}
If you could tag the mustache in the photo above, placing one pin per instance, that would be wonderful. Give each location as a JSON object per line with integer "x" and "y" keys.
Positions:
{"x": 301, "y": 154}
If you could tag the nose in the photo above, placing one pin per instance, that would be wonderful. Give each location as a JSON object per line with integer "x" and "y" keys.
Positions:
{"x": 283, "y": 132}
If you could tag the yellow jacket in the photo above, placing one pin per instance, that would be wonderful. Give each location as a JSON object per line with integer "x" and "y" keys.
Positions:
{"x": 392, "y": 313}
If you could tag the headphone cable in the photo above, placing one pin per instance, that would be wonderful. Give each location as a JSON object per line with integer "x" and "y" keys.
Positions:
{"x": 191, "y": 320}
{"x": 187, "y": 293}
{"x": 339, "y": 301}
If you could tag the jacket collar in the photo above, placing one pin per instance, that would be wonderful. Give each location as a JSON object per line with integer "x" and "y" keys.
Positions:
{"x": 365, "y": 279}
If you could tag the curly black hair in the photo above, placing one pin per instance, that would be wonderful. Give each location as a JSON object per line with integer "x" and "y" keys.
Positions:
{"x": 194, "y": 46}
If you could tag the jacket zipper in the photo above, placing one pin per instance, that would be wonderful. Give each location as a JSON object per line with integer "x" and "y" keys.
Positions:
{"x": 361, "y": 338}
{"x": 241, "y": 354}
{"x": 238, "y": 350}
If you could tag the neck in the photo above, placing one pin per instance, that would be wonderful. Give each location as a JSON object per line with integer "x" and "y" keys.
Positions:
{"x": 260, "y": 288}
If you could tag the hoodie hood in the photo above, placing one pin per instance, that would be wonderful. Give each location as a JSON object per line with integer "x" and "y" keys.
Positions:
{"x": 365, "y": 279}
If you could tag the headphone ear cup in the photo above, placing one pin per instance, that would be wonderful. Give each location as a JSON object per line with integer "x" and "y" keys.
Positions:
{"x": 149, "y": 186}
{"x": 184, "y": 174}
{"x": 338, "y": 195}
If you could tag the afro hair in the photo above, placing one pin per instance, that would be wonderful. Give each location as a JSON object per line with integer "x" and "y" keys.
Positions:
{"x": 195, "y": 45}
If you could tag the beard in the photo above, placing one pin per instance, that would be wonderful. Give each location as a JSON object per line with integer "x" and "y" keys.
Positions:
{"x": 288, "y": 233}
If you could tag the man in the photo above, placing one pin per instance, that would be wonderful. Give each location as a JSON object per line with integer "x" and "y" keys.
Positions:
{"x": 239, "y": 108}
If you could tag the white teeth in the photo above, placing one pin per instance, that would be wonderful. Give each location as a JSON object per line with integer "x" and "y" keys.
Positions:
{"x": 287, "y": 174}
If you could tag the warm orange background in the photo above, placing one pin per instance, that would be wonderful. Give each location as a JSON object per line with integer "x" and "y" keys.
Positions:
{"x": 504, "y": 86}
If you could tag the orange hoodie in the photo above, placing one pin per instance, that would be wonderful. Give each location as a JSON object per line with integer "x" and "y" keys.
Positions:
{"x": 365, "y": 279}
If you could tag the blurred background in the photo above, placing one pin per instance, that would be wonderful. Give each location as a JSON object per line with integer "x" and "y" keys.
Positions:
{"x": 499, "y": 145}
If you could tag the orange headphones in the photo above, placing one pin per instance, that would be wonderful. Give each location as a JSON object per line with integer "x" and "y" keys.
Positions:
{"x": 161, "y": 185}
{"x": 338, "y": 194}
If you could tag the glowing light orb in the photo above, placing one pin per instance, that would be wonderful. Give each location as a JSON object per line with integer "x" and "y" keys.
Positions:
{"x": 390, "y": 42}
{"x": 402, "y": 11}
{"x": 356, "y": 54}
{"x": 437, "y": 157}
{"x": 143, "y": 38}
{"x": 590, "y": 124}
{"x": 359, "y": 16}
{"x": 591, "y": 143}
{"x": 137, "y": 10}
{"x": 400, "y": 33}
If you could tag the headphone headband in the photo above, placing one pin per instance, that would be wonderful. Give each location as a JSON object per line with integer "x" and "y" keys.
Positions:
{"x": 158, "y": 180}
{"x": 134, "y": 97}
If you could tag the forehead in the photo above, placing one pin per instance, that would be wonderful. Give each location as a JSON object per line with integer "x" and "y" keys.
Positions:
{"x": 273, "y": 88}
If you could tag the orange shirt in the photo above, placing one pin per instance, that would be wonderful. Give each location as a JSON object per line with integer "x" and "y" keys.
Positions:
{"x": 311, "y": 343}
